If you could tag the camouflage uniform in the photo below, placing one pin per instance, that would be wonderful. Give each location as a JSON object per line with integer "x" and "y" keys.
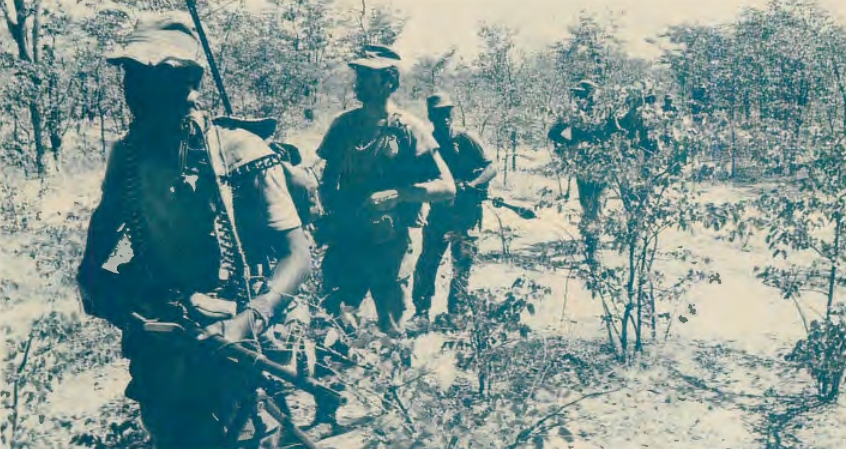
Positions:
{"x": 584, "y": 129}
{"x": 374, "y": 253}
{"x": 452, "y": 224}
{"x": 160, "y": 192}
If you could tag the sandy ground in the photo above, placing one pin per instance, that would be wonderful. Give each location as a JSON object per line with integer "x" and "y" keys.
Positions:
{"x": 699, "y": 389}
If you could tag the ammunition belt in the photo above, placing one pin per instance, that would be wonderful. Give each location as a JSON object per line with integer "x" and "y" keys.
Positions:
{"x": 232, "y": 275}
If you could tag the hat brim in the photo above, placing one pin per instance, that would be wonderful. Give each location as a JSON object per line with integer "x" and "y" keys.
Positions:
{"x": 583, "y": 91}
{"x": 441, "y": 106}
{"x": 372, "y": 64}
{"x": 159, "y": 47}
{"x": 152, "y": 56}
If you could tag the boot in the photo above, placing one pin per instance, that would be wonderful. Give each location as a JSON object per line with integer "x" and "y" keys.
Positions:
{"x": 326, "y": 411}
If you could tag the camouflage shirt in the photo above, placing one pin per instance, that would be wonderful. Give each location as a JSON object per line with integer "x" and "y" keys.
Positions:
{"x": 465, "y": 156}
{"x": 176, "y": 214}
{"x": 395, "y": 153}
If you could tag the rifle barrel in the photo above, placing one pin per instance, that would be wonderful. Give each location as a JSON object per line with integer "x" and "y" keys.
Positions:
{"x": 235, "y": 352}
{"x": 247, "y": 356}
{"x": 192, "y": 8}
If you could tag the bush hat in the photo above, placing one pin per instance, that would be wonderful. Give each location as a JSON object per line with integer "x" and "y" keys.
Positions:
{"x": 439, "y": 101}
{"x": 376, "y": 57}
{"x": 165, "y": 39}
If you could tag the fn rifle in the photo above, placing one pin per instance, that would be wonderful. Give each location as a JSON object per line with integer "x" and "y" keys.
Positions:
{"x": 218, "y": 81}
{"x": 498, "y": 202}
{"x": 188, "y": 335}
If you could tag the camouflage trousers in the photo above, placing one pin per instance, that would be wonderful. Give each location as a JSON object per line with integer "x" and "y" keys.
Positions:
{"x": 463, "y": 248}
{"x": 385, "y": 271}
{"x": 590, "y": 197}
{"x": 193, "y": 401}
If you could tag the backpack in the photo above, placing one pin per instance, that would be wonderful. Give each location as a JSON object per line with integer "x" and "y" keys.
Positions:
{"x": 301, "y": 181}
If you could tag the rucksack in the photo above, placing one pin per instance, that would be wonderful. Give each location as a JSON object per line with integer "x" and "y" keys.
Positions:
{"x": 301, "y": 181}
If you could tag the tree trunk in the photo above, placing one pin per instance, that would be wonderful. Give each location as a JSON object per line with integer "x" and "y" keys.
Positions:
{"x": 101, "y": 112}
{"x": 504, "y": 167}
{"x": 733, "y": 150}
{"x": 832, "y": 277}
{"x": 18, "y": 30}
{"x": 38, "y": 137}
{"x": 513, "y": 150}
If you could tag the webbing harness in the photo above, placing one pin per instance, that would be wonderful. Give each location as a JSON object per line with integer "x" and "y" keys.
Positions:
{"x": 199, "y": 154}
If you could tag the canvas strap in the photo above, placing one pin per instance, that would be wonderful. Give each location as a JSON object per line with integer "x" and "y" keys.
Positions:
{"x": 234, "y": 270}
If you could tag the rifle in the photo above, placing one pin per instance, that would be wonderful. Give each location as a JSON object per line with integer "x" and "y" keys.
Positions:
{"x": 235, "y": 352}
{"x": 498, "y": 202}
{"x": 523, "y": 212}
{"x": 242, "y": 357}
{"x": 263, "y": 128}
{"x": 218, "y": 81}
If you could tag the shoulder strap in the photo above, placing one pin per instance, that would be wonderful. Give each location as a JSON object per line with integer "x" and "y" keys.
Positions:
{"x": 235, "y": 269}
{"x": 256, "y": 165}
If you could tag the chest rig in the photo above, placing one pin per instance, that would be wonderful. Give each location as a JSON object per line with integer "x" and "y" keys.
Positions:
{"x": 199, "y": 156}
{"x": 374, "y": 159}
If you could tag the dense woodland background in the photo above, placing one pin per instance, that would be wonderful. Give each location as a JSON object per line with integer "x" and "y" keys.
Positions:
{"x": 761, "y": 110}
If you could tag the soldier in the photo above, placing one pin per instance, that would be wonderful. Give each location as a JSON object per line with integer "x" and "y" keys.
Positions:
{"x": 195, "y": 241}
{"x": 451, "y": 224}
{"x": 587, "y": 126}
{"x": 381, "y": 171}
{"x": 669, "y": 106}
{"x": 643, "y": 123}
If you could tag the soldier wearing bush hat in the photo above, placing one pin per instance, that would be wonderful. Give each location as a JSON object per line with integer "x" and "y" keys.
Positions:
{"x": 585, "y": 126}
{"x": 376, "y": 57}
{"x": 168, "y": 39}
{"x": 381, "y": 172}
{"x": 194, "y": 243}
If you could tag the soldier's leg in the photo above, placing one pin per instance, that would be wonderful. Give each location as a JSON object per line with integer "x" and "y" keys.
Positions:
{"x": 589, "y": 198}
{"x": 393, "y": 280}
{"x": 344, "y": 280}
{"x": 589, "y": 195}
{"x": 464, "y": 251}
{"x": 172, "y": 427}
{"x": 188, "y": 399}
{"x": 426, "y": 271}
{"x": 344, "y": 283}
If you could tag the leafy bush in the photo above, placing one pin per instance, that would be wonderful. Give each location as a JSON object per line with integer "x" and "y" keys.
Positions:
{"x": 823, "y": 354}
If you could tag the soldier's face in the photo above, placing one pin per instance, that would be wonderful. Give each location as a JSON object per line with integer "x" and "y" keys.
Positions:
{"x": 161, "y": 93}
{"x": 441, "y": 118}
{"x": 583, "y": 99}
{"x": 371, "y": 85}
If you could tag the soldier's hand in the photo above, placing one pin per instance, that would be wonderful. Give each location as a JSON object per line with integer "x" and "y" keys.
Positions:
{"x": 462, "y": 187}
{"x": 243, "y": 326}
{"x": 384, "y": 200}
{"x": 205, "y": 309}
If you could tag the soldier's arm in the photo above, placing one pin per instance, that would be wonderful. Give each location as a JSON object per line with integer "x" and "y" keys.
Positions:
{"x": 557, "y": 132}
{"x": 101, "y": 290}
{"x": 329, "y": 152}
{"x": 441, "y": 188}
{"x": 435, "y": 182}
{"x": 287, "y": 239}
{"x": 482, "y": 159}
{"x": 292, "y": 269}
